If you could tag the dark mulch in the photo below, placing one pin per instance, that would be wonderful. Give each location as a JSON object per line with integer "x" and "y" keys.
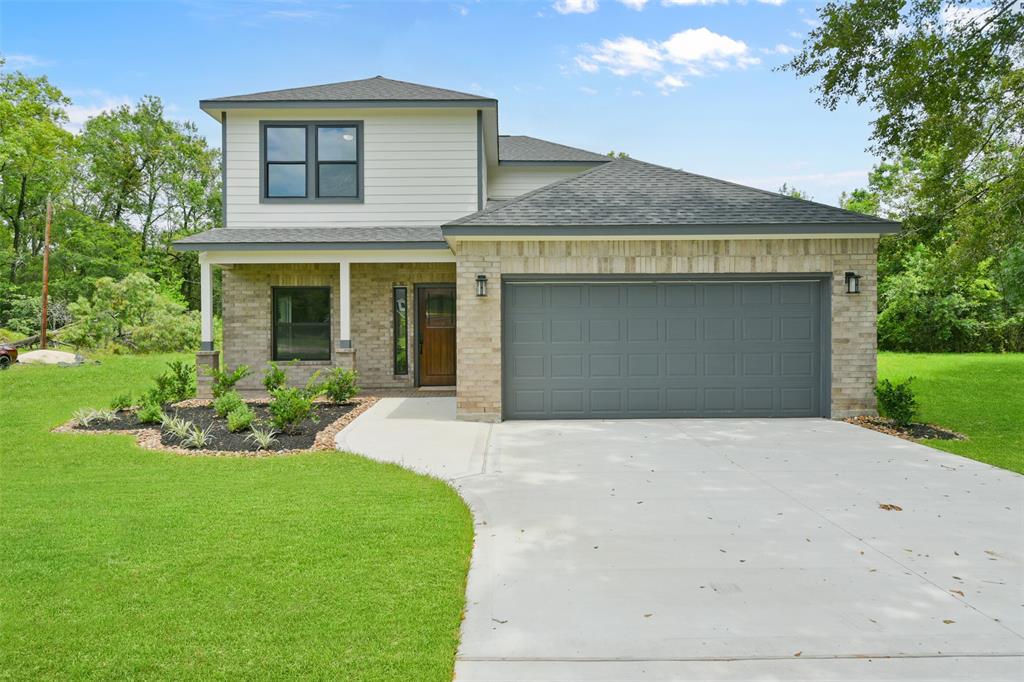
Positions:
{"x": 911, "y": 432}
{"x": 301, "y": 437}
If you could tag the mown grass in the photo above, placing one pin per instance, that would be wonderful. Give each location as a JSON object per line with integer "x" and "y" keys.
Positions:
{"x": 119, "y": 562}
{"x": 978, "y": 394}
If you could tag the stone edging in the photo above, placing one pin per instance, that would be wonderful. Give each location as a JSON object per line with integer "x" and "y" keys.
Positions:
{"x": 149, "y": 438}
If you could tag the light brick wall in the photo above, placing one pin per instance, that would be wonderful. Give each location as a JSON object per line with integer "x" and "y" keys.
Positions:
{"x": 372, "y": 320}
{"x": 479, "y": 326}
{"x": 247, "y": 317}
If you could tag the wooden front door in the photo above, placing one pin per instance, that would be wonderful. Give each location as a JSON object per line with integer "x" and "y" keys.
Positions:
{"x": 435, "y": 326}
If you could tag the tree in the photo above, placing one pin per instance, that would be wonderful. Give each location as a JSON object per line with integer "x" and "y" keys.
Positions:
{"x": 36, "y": 158}
{"x": 788, "y": 191}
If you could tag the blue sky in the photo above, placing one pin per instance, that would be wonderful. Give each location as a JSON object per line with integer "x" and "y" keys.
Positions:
{"x": 684, "y": 83}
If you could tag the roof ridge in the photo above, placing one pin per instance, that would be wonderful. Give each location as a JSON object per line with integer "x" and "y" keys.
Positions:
{"x": 379, "y": 77}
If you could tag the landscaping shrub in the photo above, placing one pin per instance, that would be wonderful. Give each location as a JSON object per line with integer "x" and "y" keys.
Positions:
{"x": 121, "y": 402}
{"x": 176, "y": 384}
{"x": 198, "y": 438}
{"x": 274, "y": 378}
{"x": 341, "y": 385}
{"x": 896, "y": 400}
{"x": 289, "y": 407}
{"x": 239, "y": 418}
{"x": 227, "y": 403}
{"x": 225, "y": 380}
{"x": 150, "y": 413}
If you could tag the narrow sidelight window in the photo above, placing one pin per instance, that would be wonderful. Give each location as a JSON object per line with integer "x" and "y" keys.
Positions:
{"x": 401, "y": 331}
{"x": 302, "y": 323}
{"x": 285, "y": 171}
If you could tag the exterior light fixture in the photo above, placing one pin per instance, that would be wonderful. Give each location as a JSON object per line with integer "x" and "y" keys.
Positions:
{"x": 481, "y": 285}
{"x": 852, "y": 283}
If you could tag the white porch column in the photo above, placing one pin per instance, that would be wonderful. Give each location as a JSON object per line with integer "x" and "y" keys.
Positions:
{"x": 344, "y": 305}
{"x": 205, "y": 303}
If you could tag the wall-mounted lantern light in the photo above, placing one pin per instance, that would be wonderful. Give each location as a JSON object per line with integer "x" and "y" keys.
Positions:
{"x": 481, "y": 285}
{"x": 852, "y": 283}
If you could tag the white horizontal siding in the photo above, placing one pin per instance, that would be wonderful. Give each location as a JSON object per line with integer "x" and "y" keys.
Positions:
{"x": 506, "y": 182}
{"x": 419, "y": 168}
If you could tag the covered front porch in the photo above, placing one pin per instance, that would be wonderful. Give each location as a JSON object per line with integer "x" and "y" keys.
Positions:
{"x": 388, "y": 313}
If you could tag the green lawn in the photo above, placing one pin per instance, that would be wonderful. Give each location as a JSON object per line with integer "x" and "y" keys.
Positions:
{"x": 978, "y": 394}
{"x": 118, "y": 562}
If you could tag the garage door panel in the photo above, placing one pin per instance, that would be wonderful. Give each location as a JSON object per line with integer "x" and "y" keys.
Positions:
{"x": 604, "y": 351}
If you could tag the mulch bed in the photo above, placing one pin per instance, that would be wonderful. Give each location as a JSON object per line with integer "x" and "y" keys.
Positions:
{"x": 912, "y": 432}
{"x": 310, "y": 435}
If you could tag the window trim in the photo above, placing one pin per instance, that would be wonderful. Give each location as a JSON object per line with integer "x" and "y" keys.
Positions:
{"x": 394, "y": 330}
{"x": 312, "y": 163}
{"x": 274, "y": 356}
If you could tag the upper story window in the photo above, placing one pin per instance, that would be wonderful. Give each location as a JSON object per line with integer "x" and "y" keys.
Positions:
{"x": 311, "y": 161}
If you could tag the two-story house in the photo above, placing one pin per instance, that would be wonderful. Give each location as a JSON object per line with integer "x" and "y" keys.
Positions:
{"x": 390, "y": 227}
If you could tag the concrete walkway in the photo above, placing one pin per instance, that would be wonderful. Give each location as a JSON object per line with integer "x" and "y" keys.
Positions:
{"x": 721, "y": 549}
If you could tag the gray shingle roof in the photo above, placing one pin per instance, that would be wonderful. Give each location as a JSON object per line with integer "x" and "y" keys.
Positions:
{"x": 377, "y": 88}
{"x": 627, "y": 192}
{"x": 313, "y": 238}
{"x": 526, "y": 148}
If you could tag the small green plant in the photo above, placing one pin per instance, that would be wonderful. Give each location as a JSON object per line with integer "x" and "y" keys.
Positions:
{"x": 226, "y": 403}
{"x": 896, "y": 400}
{"x": 341, "y": 385}
{"x": 198, "y": 438}
{"x": 262, "y": 438}
{"x": 314, "y": 386}
{"x": 176, "y": 384}
{"x": 289, "y": 407}
{"x": 106, "y": 416}
{"x": 176, "y": 426}
{"x": 85, "y": 416}
{"x": 150, "y": 413}
{"x": 224, "y": 380}
{"x": 121, "y": 402}
{"x": 239, "y": 418}
{"x": 274, "y": 378}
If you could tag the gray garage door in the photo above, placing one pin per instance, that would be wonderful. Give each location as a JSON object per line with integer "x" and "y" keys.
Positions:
{"x": 594, "y": 350}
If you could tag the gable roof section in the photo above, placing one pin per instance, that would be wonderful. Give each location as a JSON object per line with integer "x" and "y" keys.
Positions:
{"x": 629, "y": 196}
{"x": 376, "y": 89}
{"x": 529, "y": 150}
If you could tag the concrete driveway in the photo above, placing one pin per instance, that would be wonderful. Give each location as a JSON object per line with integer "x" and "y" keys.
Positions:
{"x": 725, "y": 549}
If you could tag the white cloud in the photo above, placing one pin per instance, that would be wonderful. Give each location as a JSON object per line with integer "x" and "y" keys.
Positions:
{"x": 627, "y": 56}
{"x": 668, "y": 3}
{"x": 669, "y": 83}
{"x": 293, "y": 14}
{"x": 575, "y": 6}
{"x": 634, "y": 4}
{"x": 22, "y": 61}
{"x": 587, "y": 91}
{"x": 586, "y": 65}
{"x": 691, "y": 52}
{"x": 772, "y": 2}
{"x": 781, "y": 48}
{"x": 461, "y": 10}
{"x": 93, "y": 103}
{"x": 813, "y": 23}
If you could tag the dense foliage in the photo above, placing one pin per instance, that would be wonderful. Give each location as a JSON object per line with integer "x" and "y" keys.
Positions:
{"x": 123, "y": 188}
{"x": 947, "y": 80}
{"x": 896, "y": 400}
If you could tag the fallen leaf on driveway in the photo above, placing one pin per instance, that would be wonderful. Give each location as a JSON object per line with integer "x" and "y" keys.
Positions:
{"x": 957, "y": 592}
{"x": 502, "y": 622}
{"x": 890, "y": 507}
{"x": 798, "y": 653}
{"x": 948, "y": 621}
{"x": 648, "y": 615}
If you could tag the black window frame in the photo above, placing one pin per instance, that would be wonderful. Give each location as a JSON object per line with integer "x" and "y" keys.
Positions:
{"x": 274, "y": 354}
{"x": 267, "y": 163}
{"x": 312, "y": 163}
{"x": 399, "y": 370}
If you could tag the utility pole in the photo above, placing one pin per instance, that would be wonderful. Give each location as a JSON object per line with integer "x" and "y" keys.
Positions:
{"x": 46, "y": 270}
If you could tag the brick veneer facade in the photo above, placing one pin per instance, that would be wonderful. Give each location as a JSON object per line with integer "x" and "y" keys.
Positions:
{"x": 247, "y": 318}
{"x": 479, "y": 325}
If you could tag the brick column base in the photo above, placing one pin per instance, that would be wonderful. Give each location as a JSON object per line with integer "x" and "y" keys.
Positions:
{"x": 206, "y": 360}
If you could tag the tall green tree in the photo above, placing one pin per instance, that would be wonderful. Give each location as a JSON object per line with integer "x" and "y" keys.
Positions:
{"x": 36, "y": 159}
